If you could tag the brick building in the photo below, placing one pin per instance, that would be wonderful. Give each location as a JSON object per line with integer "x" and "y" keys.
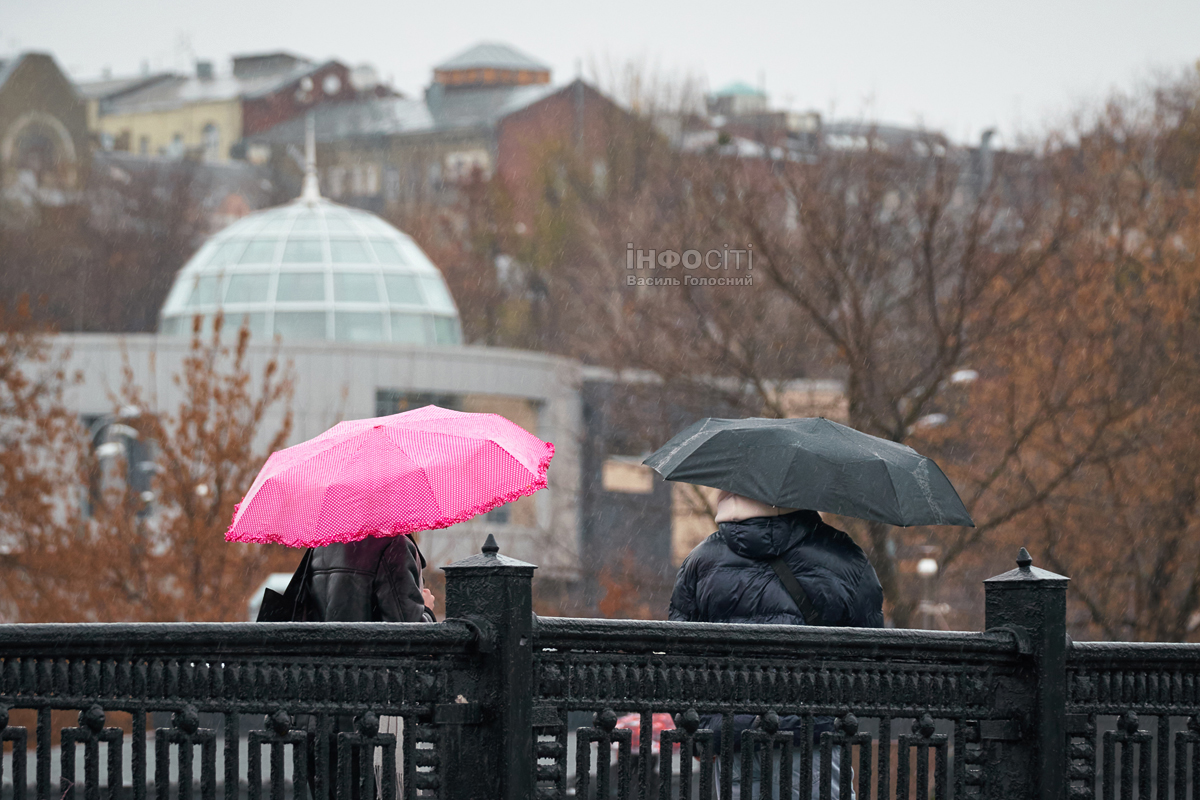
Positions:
{"x": 491, "y": 110}
{"x": 210, "y": 113}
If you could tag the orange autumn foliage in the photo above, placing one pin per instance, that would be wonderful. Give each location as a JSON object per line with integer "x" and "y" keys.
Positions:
{"x": 626, "y": 592}
{"x": 1027, "y": 316}
{"x": 168, "y": 562}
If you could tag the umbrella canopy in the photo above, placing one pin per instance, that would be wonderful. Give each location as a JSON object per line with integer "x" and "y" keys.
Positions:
{"x": 423, "y": 469}
{"x": 815, "y": 464}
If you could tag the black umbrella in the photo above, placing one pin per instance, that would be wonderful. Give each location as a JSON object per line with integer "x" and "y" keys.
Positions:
{"x": 815, "y": 464}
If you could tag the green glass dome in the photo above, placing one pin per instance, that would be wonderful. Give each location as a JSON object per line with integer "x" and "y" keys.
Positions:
{"x": 313, "y": 269}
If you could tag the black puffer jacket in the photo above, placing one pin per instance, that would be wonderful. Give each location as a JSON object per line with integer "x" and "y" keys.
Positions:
{"x": 728, "y": 577}
{"x": 373, "y": 580}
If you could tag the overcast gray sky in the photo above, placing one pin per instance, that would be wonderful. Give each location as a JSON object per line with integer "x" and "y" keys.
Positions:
{"x": 957, "y": 66}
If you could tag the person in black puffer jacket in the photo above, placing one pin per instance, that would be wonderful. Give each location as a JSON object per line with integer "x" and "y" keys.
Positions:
{"x": 728, "y": 578}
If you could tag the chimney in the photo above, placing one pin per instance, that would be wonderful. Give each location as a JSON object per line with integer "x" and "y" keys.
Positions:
{"x": 204, "y": 70}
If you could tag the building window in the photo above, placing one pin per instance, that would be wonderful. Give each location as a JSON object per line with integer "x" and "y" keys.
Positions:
{"x": 467, "y": 165}
{"x": 372, "y": 180}
{"x": 500, "y": 515}
{"x": 394, "y": 401}
{"x": 38, "y": 149}
{"x": 144, "y": 145}
{"x": 391, "y": 185}
{"x": 337, "y": 181}
{"x": 600, "y": 176}
{"x": 626, "y": 475}
{"x": 212, "y": 142}
{"x": 258, "y": 153}
{"x": 358, "y": 182}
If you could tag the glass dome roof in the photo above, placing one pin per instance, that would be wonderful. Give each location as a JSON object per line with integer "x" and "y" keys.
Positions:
{"x": 313, "y": 269}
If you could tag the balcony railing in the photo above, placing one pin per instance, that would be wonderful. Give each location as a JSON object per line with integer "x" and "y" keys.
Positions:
{"x": 493, "y": 703}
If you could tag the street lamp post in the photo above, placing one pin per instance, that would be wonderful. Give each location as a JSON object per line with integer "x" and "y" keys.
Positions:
{"x": 100, "y": 434}
{"x": 104, "y": 423}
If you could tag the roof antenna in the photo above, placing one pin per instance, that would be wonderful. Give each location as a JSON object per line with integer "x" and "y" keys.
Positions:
{"x": 310, "y": 193}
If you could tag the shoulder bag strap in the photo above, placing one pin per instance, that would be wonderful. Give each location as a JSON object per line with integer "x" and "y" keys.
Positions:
{"x": 298, "y": 588}
{"x": 807, "y": 609}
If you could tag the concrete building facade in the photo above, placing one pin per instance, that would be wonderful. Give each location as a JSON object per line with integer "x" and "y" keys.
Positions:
{"x": 337, "y": 381}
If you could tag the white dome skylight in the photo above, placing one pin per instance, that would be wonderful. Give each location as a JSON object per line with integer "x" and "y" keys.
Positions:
{"x": 313, "y": 269}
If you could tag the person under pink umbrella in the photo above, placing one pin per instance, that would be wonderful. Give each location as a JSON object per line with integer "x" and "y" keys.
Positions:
{"x": 357, "y": 492}
{"x": 355, "y": 495}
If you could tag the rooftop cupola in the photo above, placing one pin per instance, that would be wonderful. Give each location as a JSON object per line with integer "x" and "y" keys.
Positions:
{"x": 490, "y": 64}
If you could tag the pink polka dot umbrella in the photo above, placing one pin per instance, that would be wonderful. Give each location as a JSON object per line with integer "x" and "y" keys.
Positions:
{"x": 423, "y": 469}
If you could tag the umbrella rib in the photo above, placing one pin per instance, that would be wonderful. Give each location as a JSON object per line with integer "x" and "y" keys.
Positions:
{"x": 323, "y": 446}
{"x": 358, "y": 446}
{"x": 887, "y": 468}
{"x": 309, "y": 456}
{"x": 666, "y": 457}
{"x": 480, "y": 437}
{"x": 783, "y": 478}
{"x": 424, "y": 474}
{"x": 926, "y": 486}
{"x": 362, "y": 444}
{"x": 432, "y": 493}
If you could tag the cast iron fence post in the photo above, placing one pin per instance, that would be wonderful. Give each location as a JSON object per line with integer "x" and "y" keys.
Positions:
{"x": 491, "y": 757}
{"x": 1033, "y": 604}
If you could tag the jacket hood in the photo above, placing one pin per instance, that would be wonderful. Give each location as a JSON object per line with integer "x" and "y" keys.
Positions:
{"x": 767, "y": 537}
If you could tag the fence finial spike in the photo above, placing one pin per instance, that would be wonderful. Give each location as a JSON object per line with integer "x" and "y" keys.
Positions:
{"x": 490, "y": 547}
{"x": 1024, "y": 560}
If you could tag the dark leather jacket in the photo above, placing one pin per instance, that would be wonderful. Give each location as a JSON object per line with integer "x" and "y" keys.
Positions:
{"x": 373, "y": 580}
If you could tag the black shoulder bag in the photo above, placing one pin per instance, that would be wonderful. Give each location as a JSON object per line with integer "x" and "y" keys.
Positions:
{"x": 293, "y": 605}
{"x": 807, "y": 609}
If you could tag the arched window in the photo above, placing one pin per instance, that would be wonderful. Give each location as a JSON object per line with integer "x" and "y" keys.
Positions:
{"x": 212, "y": 142}
{"x": 37, "y": 151}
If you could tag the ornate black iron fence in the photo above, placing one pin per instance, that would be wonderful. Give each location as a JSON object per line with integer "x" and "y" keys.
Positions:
{"x": 911, "y": 684}
{"x": 494, "y": 703}
{"x": 311, "y": 690}
{"x": 1133, "y": 719}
